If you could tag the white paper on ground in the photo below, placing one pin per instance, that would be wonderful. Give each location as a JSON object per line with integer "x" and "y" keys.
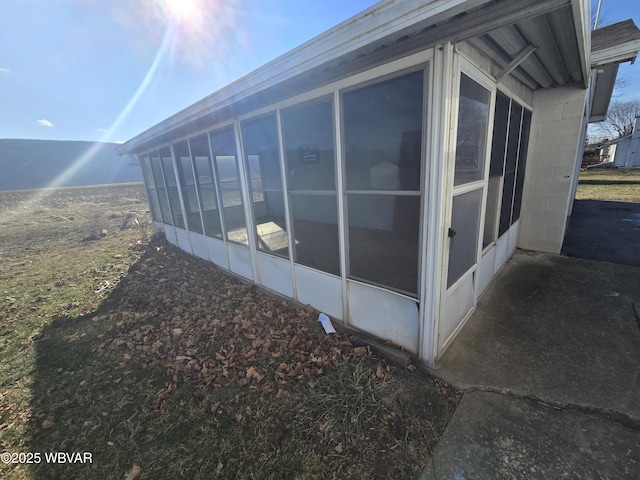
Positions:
{"x": 326, "y": 323}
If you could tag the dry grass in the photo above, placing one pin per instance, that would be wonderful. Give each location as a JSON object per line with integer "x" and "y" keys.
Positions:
{"x": 177, "y": 370}
{"x": 609, "y": 184}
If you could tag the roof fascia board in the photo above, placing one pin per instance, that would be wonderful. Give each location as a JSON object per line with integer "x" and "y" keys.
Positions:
{"x": 582, "y": 18}
{"x": 373, "y": 24}
{"x": 604, "y": 83}
{"x": 625, "y": 52}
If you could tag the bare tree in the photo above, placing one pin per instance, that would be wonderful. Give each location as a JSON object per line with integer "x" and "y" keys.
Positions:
{"x": 602, "y": 20}
{"x": 621, "y": 116}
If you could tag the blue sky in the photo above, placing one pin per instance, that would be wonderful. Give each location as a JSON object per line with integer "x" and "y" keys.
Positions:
{"x": 110, "y": 69}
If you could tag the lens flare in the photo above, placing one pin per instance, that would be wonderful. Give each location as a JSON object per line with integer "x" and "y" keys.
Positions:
{"x": 190, "y": 33}
{"x": 183, "y": 11}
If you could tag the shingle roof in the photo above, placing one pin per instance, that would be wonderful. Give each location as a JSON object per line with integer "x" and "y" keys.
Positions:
{"x": 613, "y": 35}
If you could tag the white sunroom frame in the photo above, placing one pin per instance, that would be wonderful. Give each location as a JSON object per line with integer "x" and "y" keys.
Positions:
{"x": 442, "y": 66}
{"x": 418, "y": 60}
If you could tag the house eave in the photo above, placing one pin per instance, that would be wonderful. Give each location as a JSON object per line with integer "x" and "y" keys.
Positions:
{"x": 389, "y": 30}
{"x": 375, "y": 23}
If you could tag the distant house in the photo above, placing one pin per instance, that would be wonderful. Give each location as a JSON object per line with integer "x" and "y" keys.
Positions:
{"x": 386, "y": 170}
{"x": 598, "y": 155}
{"x": 626, "y": 150}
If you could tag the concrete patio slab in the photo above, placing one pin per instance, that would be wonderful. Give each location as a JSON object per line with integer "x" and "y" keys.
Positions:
{"x": 493, "y": 436}
{"x": 550, "y": 367}
{"x": 557, "y": 329}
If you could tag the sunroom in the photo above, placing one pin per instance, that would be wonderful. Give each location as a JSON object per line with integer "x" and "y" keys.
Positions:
{"x": 382, "y": 172}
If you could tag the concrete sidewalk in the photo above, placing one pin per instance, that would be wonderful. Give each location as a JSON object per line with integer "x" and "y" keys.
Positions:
{"x": 550, "y": 365}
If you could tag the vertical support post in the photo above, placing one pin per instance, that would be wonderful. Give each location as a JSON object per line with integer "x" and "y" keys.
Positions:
{"x": 248, "y": 202}
{"x": 341, "y": 202}
{"x": 285, "y": 199}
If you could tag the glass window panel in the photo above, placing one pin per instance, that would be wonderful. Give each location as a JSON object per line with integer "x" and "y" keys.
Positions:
{"x": 262, "y": 159}
{"x": 271, "y": 227}
{"x": 315, "y": 227}
{"x": 383, "y": 134}
{"x": 383, "y": 239}
{"x": 188, "y": 186}
{"x": 473, "y": 117}
{"x": 522, "y": 163}
{"x": 496, "y": 166}
{"x": 510, "y": 167}
{"x": 204, "y": 178}
{"x": 163, "y": 201}
{"x": 223, "y": 146}
{"x": 309, "y": 147}
{"x": 499, "y": 143}
{"x": 154, "y": 206}
{"x": 172, "y": 187}
{"x": 465, "y": 219}
{"x": 260, "y": 143}
{"x": 234, "y": 218}
{"x": 493, "y": 192}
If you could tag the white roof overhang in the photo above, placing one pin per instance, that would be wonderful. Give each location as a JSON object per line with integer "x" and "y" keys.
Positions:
{"x": 611, "y": 45}
{"x": 550, "y": 32}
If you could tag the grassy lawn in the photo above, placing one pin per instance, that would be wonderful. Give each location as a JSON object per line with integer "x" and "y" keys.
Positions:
{"x": 609, "y": 184}
{"x": 160, "y": 365}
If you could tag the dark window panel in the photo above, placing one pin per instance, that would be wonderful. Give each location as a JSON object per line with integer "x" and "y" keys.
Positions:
{"x": 522, "y": 163}
{"x": 507, "y": 202}
{"x": 511, "y": 162}
{"x": 383, "y": 240}
{"x": 315, "y": 228}
{"x": 465, "y": 219}
{"x": 308, "y": 133}
{"x": 490, "y": 220}
{"x": 499, "y": 142}
{"x": 383, "y": 134}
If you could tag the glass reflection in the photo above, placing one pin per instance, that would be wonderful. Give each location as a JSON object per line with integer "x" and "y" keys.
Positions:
{"x": 473, "y": 118}
{"x": 156, "y": 168}
{"x": 223, "y": 147}
{"x": 262, "y": 161}
{"x": 204, "y": 178}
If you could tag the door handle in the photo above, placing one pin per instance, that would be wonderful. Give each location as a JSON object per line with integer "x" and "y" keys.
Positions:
{"x": 452, "y": 233}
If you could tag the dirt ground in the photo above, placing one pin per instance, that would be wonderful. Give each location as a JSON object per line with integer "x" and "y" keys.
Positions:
{"x": 163, "y": 366}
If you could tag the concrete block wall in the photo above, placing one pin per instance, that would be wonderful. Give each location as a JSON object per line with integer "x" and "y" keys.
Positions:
{"x": 554, "y": 149}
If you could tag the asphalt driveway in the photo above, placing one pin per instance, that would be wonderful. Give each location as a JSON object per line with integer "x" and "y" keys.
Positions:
{"x": 605, "y": 231}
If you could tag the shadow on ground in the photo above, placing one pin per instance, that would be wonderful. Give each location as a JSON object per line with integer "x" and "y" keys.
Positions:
{"x": 186, "y": 372}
